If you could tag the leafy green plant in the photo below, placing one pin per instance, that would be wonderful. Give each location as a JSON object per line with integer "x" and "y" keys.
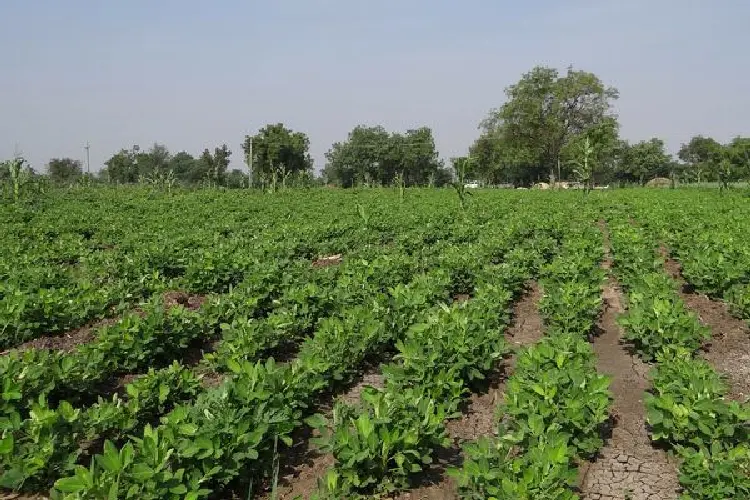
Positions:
{"x": 715, "y": 472}
{"x": 494, "y": 469}
{"x": 555, "y": 384}
{"x": 378, "y": 446}
{"x": 688, "y": 406}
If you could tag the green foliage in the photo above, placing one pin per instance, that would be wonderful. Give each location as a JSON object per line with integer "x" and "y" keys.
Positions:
{"x": 380, "y": 444}
{"x": 372, "y": 157}
{"x": 276, "y": 152}
{"x": 645, "y": 160}
{"x": 523, "y": 141}
{"x": 715, "y": 472}
{"x": 688, "y": 405}
{"x": 658, "y": 321}
{"x": 555, "y": 385}
{"x": 493, "y": 470}
{"x": 64, "y": 170}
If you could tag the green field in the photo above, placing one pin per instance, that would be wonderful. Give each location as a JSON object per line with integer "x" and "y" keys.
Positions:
{"x": 184, "y": 345}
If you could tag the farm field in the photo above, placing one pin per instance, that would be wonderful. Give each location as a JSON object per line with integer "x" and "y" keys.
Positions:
{"x": 337, "y": 344}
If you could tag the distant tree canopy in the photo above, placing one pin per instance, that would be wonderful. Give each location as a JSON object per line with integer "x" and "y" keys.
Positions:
{"x": 277, "y": 152}
{"x": 371, "y": 156}
{"x": 705, "y": 159}
{"x": 133, "y": 165}
{"x": 643, "y": 161}
{"x": 64, "y": 170}
{"x": 533, "y": 135}
{"x": 553, "y": 126}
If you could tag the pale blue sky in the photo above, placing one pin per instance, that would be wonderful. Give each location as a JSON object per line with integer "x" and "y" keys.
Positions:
{"x": 193, "y": 73}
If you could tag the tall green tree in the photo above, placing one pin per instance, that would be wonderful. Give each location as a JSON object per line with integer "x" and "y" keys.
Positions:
{"x": 543, "y": 113}
{"x": 738, "y": 154}
{"x": 122, "y": 167}
{"x": 64, "y": 170}
{"x": 154, "y": 161}
{"x": 185, "y": 168}
{"x": 277, "y": 151}
{"x": 645, "y": 160}
{"x": 372, "y": 156}
{"x": 701, "y": 157}
{"x": 212, "y": 168}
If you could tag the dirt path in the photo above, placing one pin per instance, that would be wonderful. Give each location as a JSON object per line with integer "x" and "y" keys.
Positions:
{"x": 301, "y": 468}
{"x": 729, "y": 350}
{"x": 479, "y": 418}
{"x": 629, "y": 467}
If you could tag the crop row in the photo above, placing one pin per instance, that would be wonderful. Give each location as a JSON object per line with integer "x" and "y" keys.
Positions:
{"x": 712, "y": 249}
{"x": 69, "y": 264}
{"x": 235, "y": 429}
{"x": 43, "y": 462}
{"x": 392, "y": 434}
{"x": 555, "y": 403}
{"x": 686, "y": 408}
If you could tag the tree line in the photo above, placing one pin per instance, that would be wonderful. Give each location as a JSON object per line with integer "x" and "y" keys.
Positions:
{"x": 552, "y": 127}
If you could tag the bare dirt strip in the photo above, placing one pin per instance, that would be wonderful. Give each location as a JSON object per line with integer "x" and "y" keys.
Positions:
{"x": 70, "y": 340}
{"x": 479, "y": 417}
{"x": 301, "y": 468}
{"x": 628, "y": 467}
{"x": 729, "y": 349}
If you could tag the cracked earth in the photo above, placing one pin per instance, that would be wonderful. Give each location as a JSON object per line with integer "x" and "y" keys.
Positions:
{"x": 629, "y": 467}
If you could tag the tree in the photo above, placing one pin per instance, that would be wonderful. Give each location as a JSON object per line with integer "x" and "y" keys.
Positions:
{"x": 155, "y": 161}
{"x": 738, "y": 154}
{"x": 237, "y": 179}
{"x": 701, "y": 156}
{"x": 372, "y": 156}
{"x": 601, "y": 142}
{"x": 277, "y": 152}
{"x": 185, "y": 168}
{"x": 213, "y": 167}
{"x": 122, "y": 167}
{"x": 543, "y": 114}
{"x": 645, "y": 160}
{"x": 64, "y": 170}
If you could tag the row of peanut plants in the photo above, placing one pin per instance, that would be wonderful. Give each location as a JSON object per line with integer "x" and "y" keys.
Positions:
{"x": 382, "y": 443}
{"x": 40, "y": 457}
{"x": 555, "y": 404}
{"x": 708, "y": 236}
{"x": 40, "y": 382}
{"x": 233, "y": 431}
{"x": 686, "y": 409}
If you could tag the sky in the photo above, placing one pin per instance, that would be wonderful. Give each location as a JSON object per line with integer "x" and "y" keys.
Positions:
{"x": 193, "y": 74}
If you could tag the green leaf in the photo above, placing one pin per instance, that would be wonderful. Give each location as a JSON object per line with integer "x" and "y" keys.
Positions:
{"x": 70, "y": 484}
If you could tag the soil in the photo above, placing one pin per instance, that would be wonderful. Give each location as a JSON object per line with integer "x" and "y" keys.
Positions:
{"x": 729, "y": 349}
{"x": 189, "y": 301}
{"x": 461, "y": 297}
{"x": 628, "y": 467}
{"x": 21, "y": 496}
{"x": 304, "y": 463}
{"x": 212, "y": 379}
{"x": 69, "y": 340}
{"x": 328, "y": 260}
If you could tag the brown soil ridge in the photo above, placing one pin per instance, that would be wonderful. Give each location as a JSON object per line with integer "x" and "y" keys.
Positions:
{"x": 479, "y": 418}
{"x": 729, "y": 349}
{"x": 628, "y": 467}
{"x": 298, "y": 476}
{"x": 67, "y": 341}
